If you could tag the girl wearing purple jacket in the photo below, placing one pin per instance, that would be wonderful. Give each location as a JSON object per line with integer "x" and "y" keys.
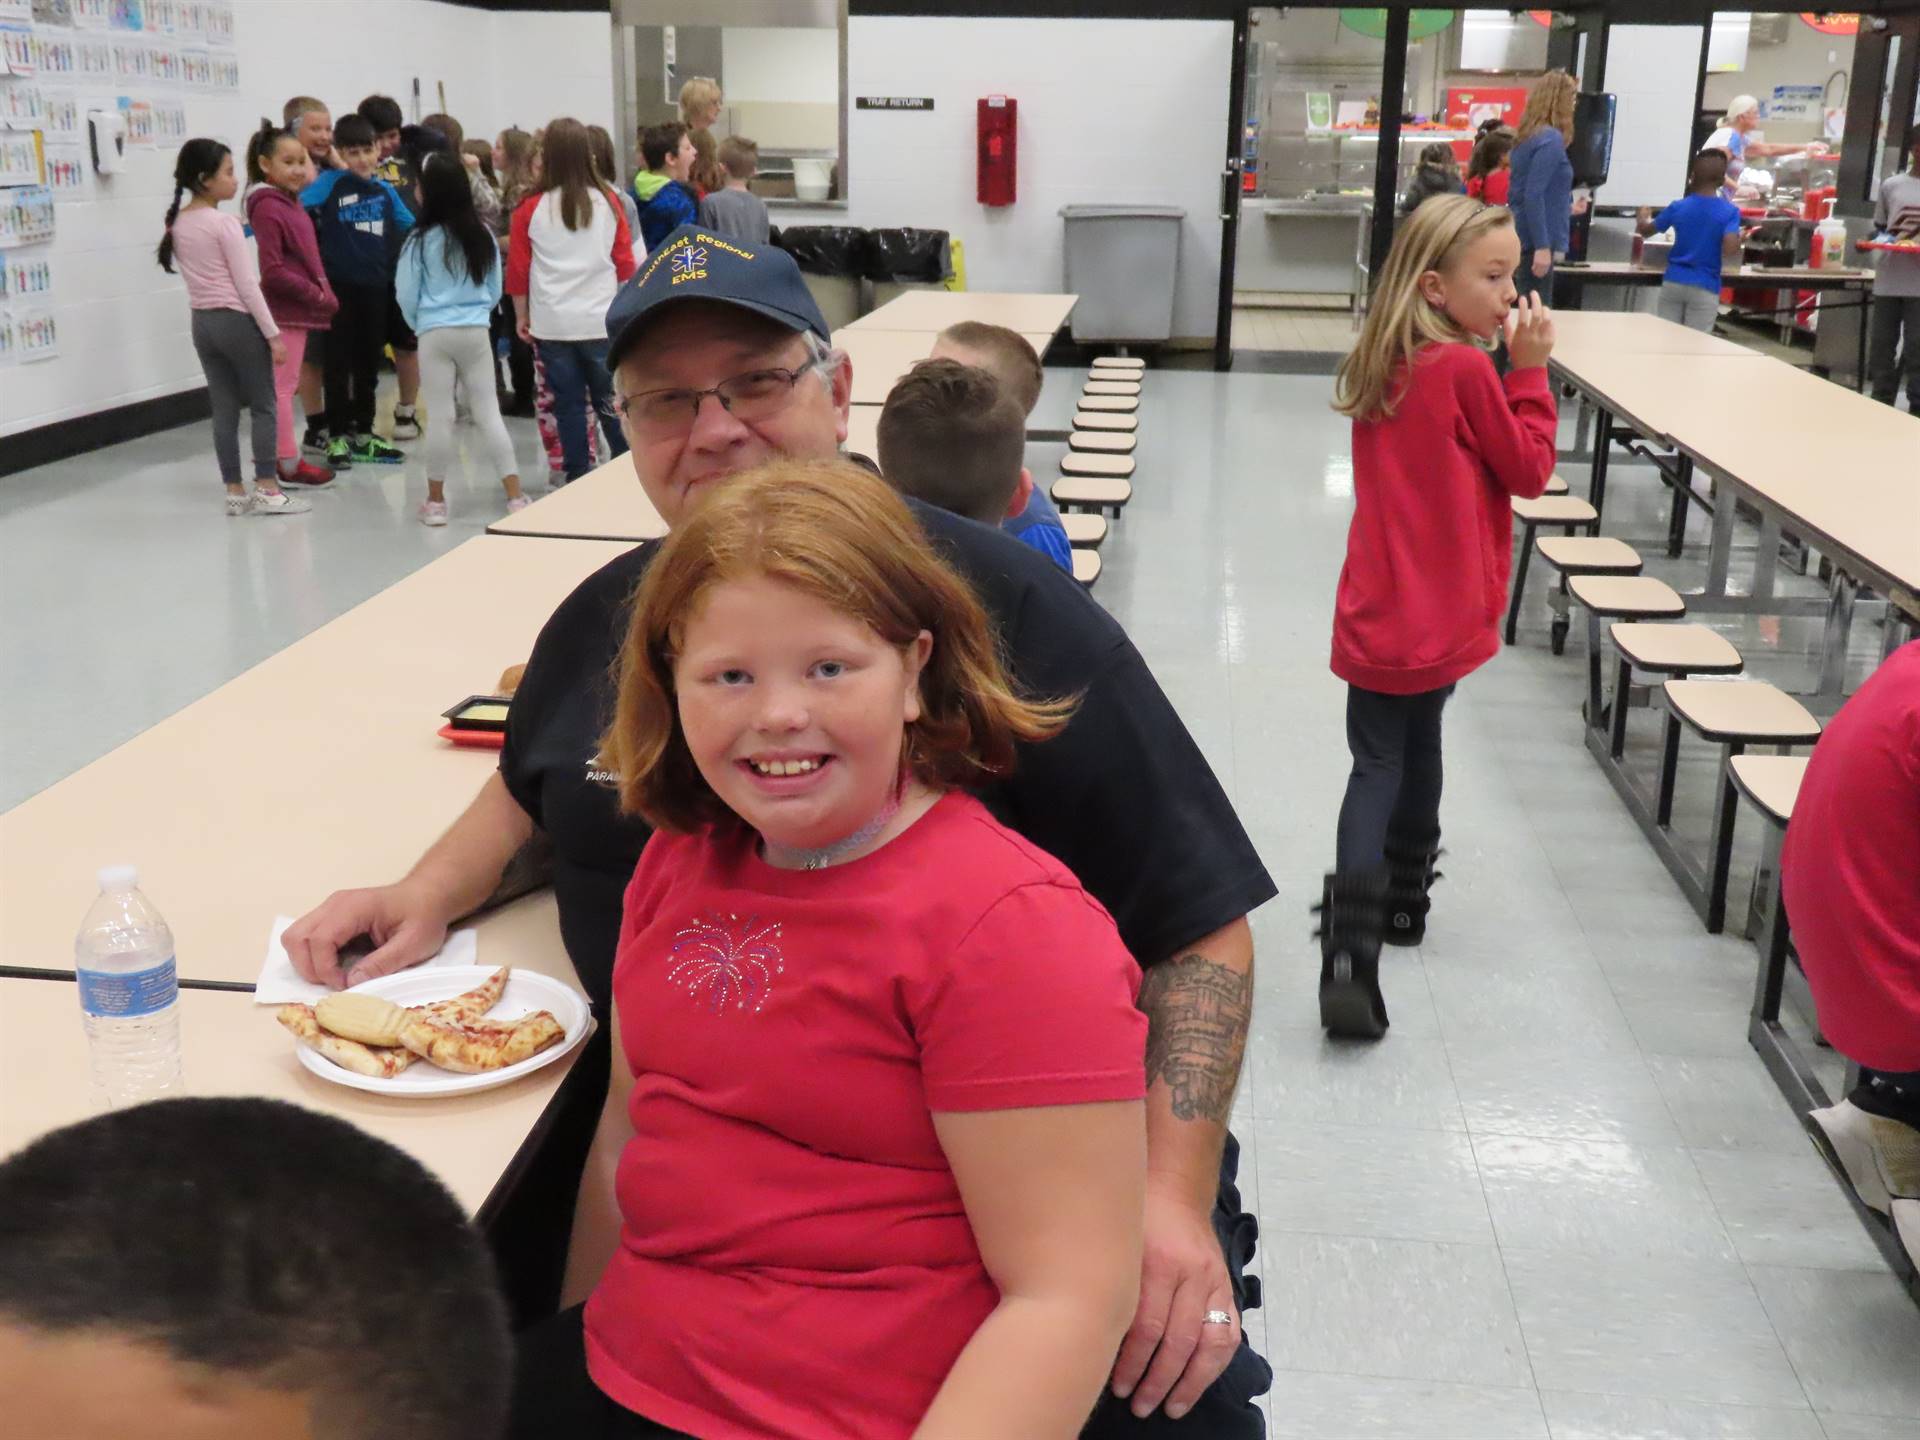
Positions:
{"x": 291, "y": 277}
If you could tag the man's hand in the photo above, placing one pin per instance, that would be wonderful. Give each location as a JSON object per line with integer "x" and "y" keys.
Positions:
{"x": 1170, "y": 1353}
{"x": 406, "y": 923}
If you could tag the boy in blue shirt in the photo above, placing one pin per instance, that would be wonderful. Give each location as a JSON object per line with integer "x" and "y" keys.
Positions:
{"x": 1006, "y": 355}
{"x": 665, "y": 198}
{"x": 361, "y": 221}
{"x": 1706, "y": 232}
{"x": 952, "y": 437}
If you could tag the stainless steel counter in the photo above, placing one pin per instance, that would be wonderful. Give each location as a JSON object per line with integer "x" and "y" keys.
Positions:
{"x": 1306, "y": 245}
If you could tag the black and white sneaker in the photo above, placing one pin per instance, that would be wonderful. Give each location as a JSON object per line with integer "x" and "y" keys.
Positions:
{"x": 313, "y": 445}
{"x": 406, "y": 424}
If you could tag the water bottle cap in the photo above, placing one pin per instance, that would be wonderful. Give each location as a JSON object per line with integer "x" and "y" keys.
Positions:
{"x": 119, "y": 877}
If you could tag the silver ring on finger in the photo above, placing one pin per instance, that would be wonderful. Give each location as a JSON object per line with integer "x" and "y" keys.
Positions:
{"x": 1217, "y": 1317}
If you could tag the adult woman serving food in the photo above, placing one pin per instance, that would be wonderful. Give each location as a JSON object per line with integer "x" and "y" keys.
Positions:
{"x": 1736, "y": 126}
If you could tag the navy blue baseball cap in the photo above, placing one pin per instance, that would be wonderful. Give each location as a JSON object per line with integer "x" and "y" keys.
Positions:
{"x": 694, "y": 264}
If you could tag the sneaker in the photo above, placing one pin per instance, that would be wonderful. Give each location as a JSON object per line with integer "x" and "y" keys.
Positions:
{"x": 310, "y": 476}
{"x": 314, "y": 444}
{"x": 517, "y": 504}
{"x": 433, "y": 512}
{"x": 237, "y": 504}
{"x": 406, "y": 425}
{"x": 556, "y": 478}
{"x": 339, "y": 454}
{"x": 276, "y": 502}
{"x": 372, "y": 450}
{"x": 1880, "y": 1156}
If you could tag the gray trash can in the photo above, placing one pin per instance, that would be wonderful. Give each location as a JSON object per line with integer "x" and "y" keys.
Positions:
{"x": 1121, "y": 262}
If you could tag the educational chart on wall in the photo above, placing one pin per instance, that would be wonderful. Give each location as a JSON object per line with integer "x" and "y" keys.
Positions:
{"x": 26, "y": 215}
{"x": 21, "y": 162}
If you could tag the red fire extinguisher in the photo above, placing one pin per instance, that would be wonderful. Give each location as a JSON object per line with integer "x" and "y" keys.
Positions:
{"x": 996, "y": 117}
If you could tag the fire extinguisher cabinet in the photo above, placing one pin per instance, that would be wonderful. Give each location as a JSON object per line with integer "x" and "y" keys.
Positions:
{"x": 1121, "y": 262}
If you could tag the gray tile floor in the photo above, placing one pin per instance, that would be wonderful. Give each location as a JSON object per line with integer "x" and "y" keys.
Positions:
{"x": 1561, "y": 1198}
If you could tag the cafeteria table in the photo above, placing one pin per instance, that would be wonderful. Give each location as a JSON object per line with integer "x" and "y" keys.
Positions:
{"x": 318, "y": 769}
{"x": 606, "y": 503}
{"x": 881, "y": 357}
{"x": 935, "y": 310}
{"x": 229, "y": 1046}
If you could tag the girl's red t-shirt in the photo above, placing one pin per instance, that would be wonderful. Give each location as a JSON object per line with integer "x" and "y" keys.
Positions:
{"x": 794, "y": 1257}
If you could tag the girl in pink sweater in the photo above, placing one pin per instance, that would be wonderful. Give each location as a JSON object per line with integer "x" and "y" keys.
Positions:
{"x": 291, "y": 276}
{"x": 233, "y": 331}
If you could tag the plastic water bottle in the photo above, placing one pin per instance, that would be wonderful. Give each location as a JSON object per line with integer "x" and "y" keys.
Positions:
{"x": 128, "y": 993}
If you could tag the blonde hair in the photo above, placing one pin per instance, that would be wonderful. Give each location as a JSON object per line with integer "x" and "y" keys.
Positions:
{"x": 697, "y": 94}
{"x": 841, "y": 535}
{"x": 1400, "y": 319}
{"x": 1550, "y": 103}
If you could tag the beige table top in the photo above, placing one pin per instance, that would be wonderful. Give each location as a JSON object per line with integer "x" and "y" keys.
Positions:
{"x": 1838, "y": 467}
{"x": 1032, "y": 315}
{"x": 1744, "y": 276}
{"x": 316, "y": 770}
{"x": 1634, "y": 332}
{"x": 881, "y": 357}
{"x": 230, "y": 1046}
{"x": 863, "y": 431}
{"x": 604, "y": 504}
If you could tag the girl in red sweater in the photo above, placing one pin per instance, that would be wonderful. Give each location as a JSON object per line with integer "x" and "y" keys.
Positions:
{"x": 1440, "y": 442}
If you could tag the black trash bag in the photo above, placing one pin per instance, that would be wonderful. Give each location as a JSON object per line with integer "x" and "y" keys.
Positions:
{"x": 825, "y": 249}
{"x": 909, "y": 256}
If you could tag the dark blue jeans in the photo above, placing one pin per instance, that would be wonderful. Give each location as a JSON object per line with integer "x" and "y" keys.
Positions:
{"x": 577, "y": 371}
{"x": 1393, "y": 791}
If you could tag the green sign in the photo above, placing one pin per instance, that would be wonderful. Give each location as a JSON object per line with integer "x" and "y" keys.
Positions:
{"x": 1373, "y": 23}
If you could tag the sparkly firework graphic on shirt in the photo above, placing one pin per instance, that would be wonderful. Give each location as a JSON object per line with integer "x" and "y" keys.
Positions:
{"x": 727, "y": 962}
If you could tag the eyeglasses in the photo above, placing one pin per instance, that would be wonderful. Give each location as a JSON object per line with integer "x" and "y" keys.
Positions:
{"x": 756, "y": 395}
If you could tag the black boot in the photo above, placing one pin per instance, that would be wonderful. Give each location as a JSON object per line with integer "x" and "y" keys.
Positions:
{"x": 1351, "y": 913}
{"x": 1410, "y": 875}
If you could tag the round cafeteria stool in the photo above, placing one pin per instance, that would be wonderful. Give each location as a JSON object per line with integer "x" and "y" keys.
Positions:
{"x": 1675, "y": 649}
{"x": 1130, "y": 364}
{"x": 1110, "y": 441}
{"x": 1101, "y": 420}
{"x": 1119, "y": 404}
{"x": 1089, "y": 531}
{"x": 1117, "y": 466}
{"x": 1099, "y": 493}
{"x": 1112, "y": 387}
{"x": 1086, "y": 568}
{"x": 1732, "y": 714}
{"x": 1560, "y": 511}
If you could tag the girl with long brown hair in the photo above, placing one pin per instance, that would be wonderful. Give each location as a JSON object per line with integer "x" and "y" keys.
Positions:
{"x": 568, "y": 251}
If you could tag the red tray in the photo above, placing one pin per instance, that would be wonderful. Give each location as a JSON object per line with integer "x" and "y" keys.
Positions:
{"x": 473, "y": 739}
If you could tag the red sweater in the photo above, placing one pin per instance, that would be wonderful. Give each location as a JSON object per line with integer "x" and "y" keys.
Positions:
{"x": 1431, "y": 542}
{"x": 1493, "y": 188}
{"x": 1848, "y": 869}
{"x": 291, "y": 275}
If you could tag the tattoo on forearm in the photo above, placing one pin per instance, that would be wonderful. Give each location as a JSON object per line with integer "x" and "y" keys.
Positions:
{"x": 1197, "y": 1014}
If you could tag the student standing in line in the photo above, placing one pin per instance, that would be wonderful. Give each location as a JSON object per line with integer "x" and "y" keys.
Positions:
{"x": 513, "y": 162}
{"x": 569, "y": 253}
{"x": 361, "y": 221}
{"x": 700, "y": 106}
{"x": 234, "y": 333}
{"x": 734, "y": 210}
{"x": 606, "y": 174}
{"x": 448, "y": 282}
{"x": 1541, "y": 192}
{"x": 291, "y": 277}
{"x": 666, "y": 200}
{"x": 400, "y": 167}
{"x": 1896, "y": 286}
{"x": 1436, "y": 174}
{"x": 310, "y": 119}
{"x": 1706, "y": 233}
{"x": 1440, "y": 443}
{"x": 1489, "y": 176}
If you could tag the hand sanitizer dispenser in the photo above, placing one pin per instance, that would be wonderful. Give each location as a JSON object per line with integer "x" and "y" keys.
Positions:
{"x": 108, "y": 129}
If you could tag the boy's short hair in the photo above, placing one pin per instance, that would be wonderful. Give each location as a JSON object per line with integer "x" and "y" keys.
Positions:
{"x": 1005, "y": 354}
{"x": 382, "y": 112}
{"x": 354, "y": 131}
{"x": 269, "y": 1243}
{"x": 949, "y": 435}
{"x": 299, "y": 107}
{"x": 659, "y": 143}
{"x": 1709, "y": 167}
{"x": 739, "y": 157}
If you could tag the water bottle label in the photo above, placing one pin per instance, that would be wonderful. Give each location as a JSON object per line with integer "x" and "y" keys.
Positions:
{"x": 123, "y": 997}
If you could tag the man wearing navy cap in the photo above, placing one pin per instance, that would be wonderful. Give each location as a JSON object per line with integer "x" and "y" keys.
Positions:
{"x": 721, "y": 361}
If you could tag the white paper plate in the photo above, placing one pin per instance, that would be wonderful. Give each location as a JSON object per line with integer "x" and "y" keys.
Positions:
{"x": 525, "y": 993}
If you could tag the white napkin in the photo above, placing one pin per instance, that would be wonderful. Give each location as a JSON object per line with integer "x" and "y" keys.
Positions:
{"x": 280, "y": 984}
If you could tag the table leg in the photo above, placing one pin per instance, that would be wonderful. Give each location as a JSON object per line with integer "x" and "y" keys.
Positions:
{"x": 1767, "y": 561}
{"x": 1860, "y": 365}
{"x": 1836, "y": 635}
{"x": 1602, "y": 450}
{"x": 1720, "y": 552}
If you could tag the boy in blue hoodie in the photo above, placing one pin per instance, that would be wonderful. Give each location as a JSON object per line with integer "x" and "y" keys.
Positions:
{"x": 666, "y": 200}
{"x": 361, "y": 221}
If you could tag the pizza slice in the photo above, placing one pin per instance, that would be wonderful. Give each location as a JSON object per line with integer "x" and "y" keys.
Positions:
{"x": 379, "y": 1061}
{"x": 469, "y": 1047}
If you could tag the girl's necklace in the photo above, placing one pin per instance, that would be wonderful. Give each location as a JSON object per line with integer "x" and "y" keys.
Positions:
{"x": 825, "y": 855}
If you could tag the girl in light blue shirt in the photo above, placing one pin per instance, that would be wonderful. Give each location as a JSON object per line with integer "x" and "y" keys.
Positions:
{"x": 448, "y": 282}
